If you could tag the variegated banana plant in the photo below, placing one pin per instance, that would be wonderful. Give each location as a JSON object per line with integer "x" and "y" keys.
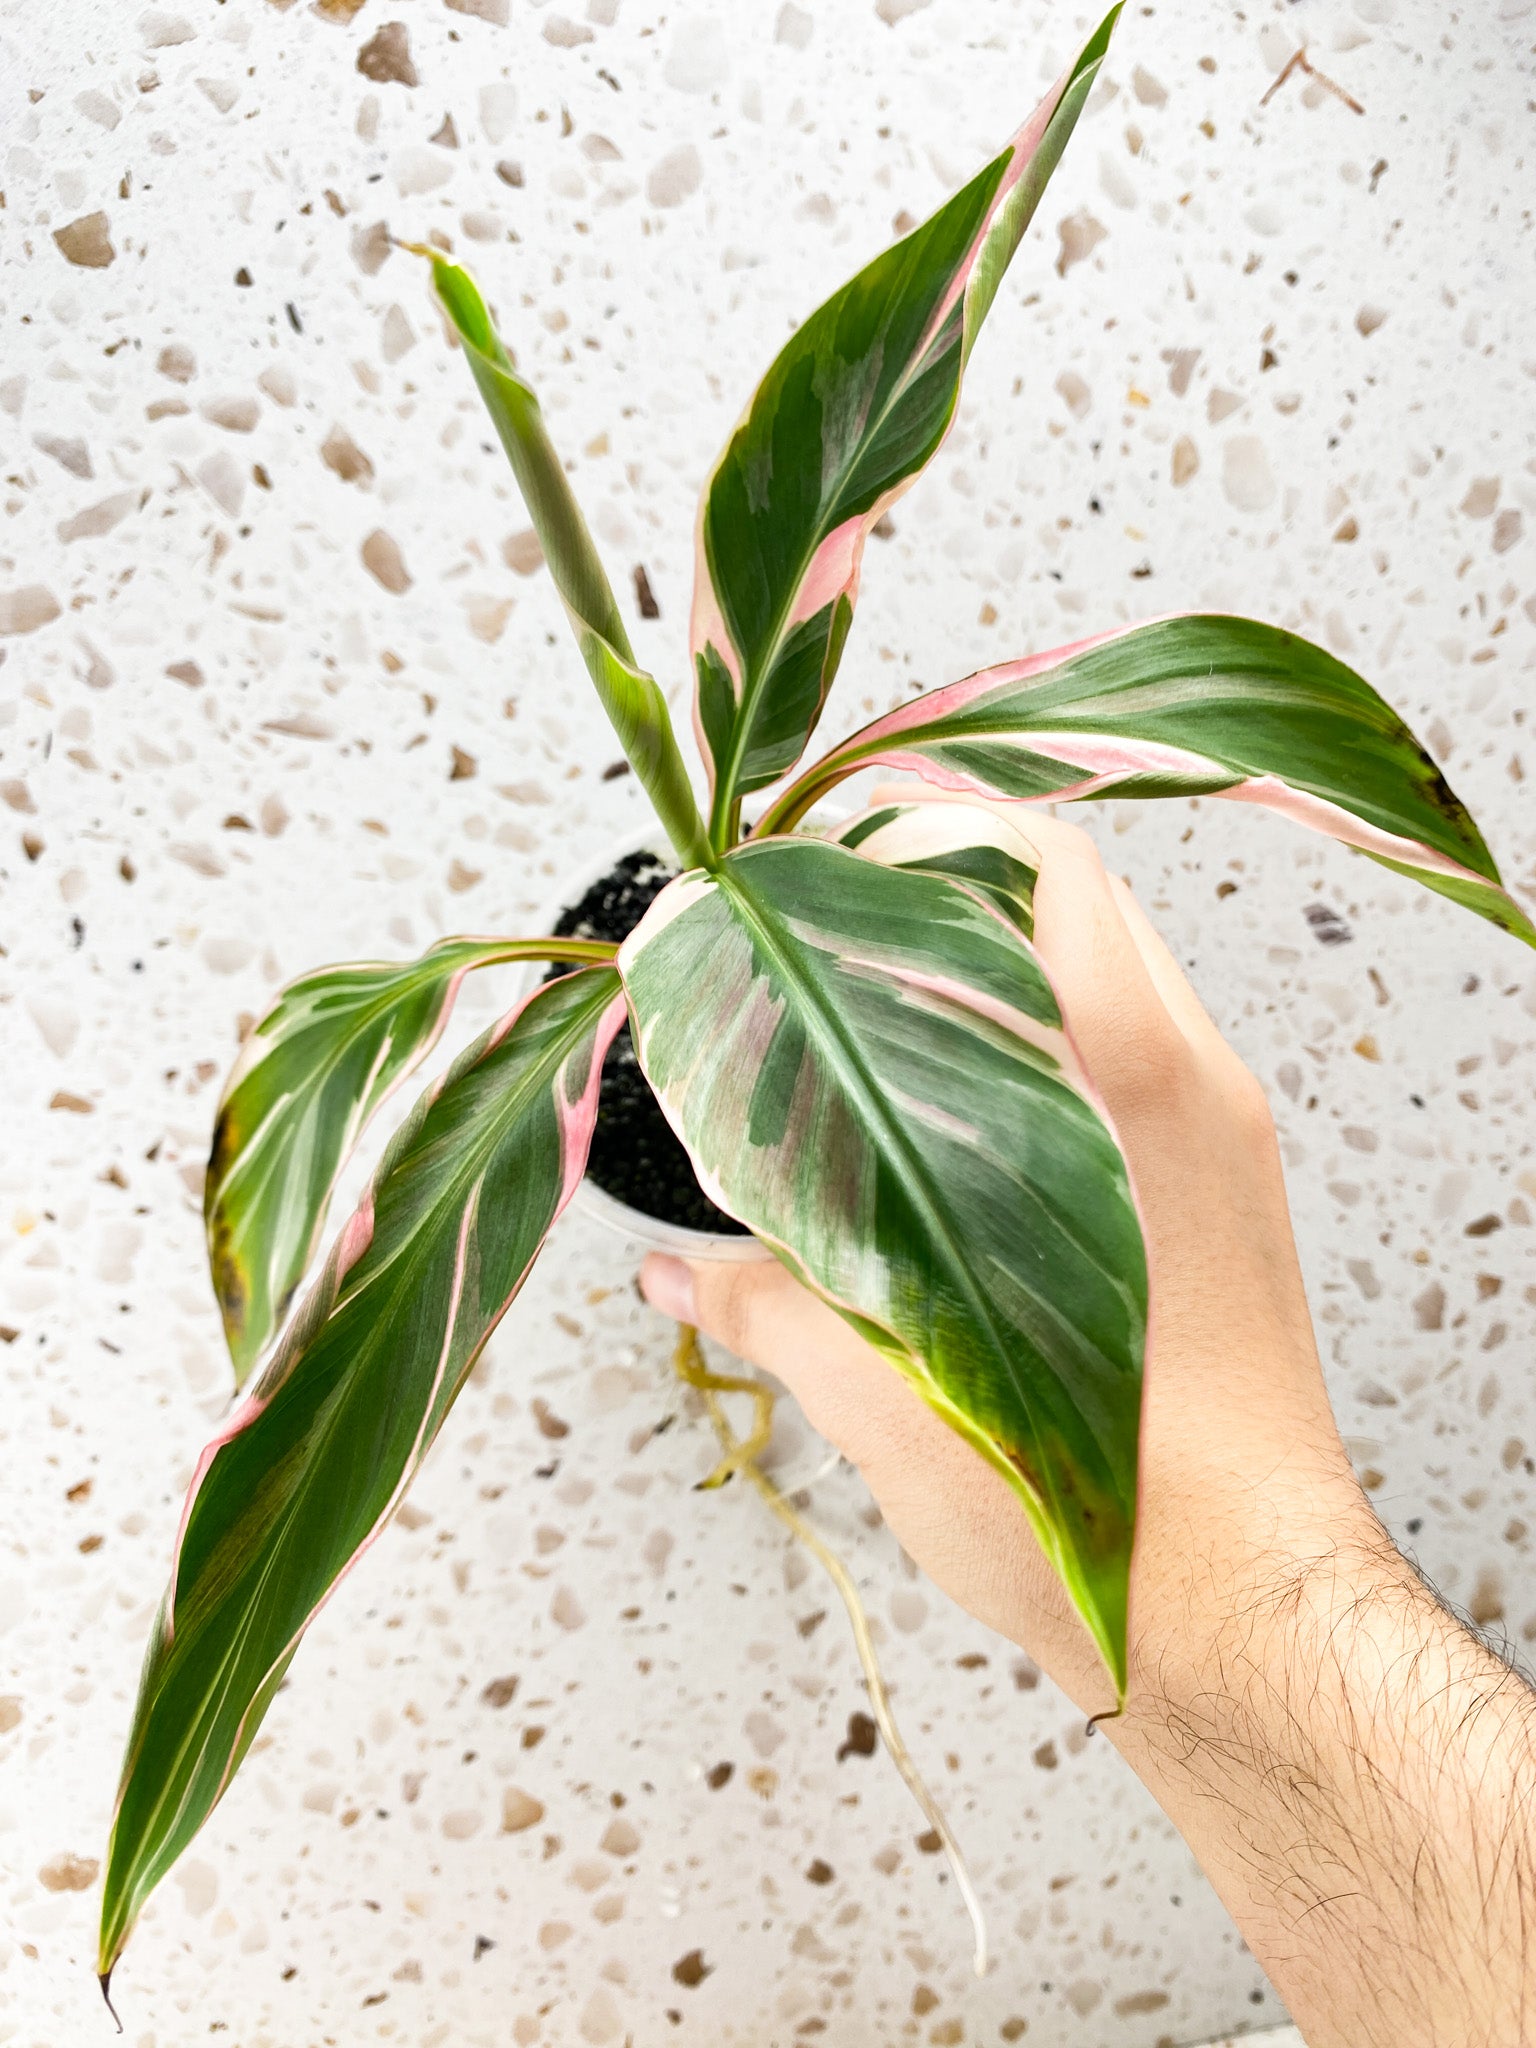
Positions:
{"x": 851, "y": 1032}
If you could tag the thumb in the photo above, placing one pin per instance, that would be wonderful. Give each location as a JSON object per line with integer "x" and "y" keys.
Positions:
{"x": 756, "y": 1309}
{"x": 759, "y": 1311}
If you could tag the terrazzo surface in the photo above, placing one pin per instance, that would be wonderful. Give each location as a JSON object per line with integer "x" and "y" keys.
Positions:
{"x": 567, "y": 1759}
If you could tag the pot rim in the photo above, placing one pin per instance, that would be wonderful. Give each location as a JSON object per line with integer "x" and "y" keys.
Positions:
{"x": 590, "y": 1200}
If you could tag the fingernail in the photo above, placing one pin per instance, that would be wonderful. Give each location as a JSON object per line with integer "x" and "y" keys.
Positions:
{"x": 667, "y": 1284}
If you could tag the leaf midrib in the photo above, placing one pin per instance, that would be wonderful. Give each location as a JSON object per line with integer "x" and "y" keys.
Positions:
{"x": 860, "y": 1081}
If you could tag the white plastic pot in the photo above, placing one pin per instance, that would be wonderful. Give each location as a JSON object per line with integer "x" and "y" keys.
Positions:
{"x": 648, "y": 1233}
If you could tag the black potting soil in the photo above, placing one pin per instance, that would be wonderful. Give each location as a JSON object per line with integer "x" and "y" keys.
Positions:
{"x": 636, "y": 1156}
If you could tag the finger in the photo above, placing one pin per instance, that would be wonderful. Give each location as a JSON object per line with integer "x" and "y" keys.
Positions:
{"x": 1168, "y": 978}
{"x": 1113, "y": 1009}
{"x": 850, "y": 1394}
{"x": 947, "y": 1507}
{"x": 916, "y": 792}
{"x": 1027, "y": 818}
{"x": 759, "y": 1311}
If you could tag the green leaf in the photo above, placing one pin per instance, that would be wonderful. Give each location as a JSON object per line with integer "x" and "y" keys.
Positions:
{"x": 631, "y": 698}
{"x": 1202, "y": 705}
{"x": 315, "y": 1457}
{"x": 868, "y": 1067}
{"x": 308, "y": 1079}
{"x": 851, "y": 411}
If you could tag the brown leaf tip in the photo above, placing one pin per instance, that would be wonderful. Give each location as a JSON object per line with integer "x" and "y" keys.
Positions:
{"x": 105, "y": 1981}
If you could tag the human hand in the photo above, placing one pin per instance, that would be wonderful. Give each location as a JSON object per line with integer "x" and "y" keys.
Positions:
{"x": 1241, "y": 1464}
{"x": 1354, "y": 1770}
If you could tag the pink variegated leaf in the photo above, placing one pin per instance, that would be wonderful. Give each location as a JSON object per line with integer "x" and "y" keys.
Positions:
{"x": 868, "y": 1066}
{"x": 317, "y": 1454}
{"x": 851, "y": 411}
{"x": 1202, "y": 705}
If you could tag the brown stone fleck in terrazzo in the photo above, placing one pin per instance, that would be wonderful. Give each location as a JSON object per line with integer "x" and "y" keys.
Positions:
{"x": 69, "y": 1873}
{"x": 99, "y": 518}
{"x": 519, "y": 1810}
{"x": 500, "y": 1692}
{"x": 386, "y": 56}
{"x": 10, "y": 1712}
{"x": 384, "y": 562}
{"x": 691, "y": 1970}
{"x": 1136, "y": 2002}
{"x": 1487, "y": 1603}
{"x": 340, "y": 453}
{"x": 371, "y": 248}
{"x": 1080, "y": 235}
{"x": 550, "y": 1424}
{"x": 86, "y": 241}
{"x": 861, "y": 1738}
{"x": 72, "y": 454}
{"x": 522, "y": 553}
{"x": 25, "y": 610}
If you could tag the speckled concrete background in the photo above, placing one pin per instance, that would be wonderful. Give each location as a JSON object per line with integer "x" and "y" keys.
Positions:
{"x": 561, "y": 1763}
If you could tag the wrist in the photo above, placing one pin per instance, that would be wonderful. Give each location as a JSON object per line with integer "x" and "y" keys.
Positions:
{"x": 1239, "y": 1568}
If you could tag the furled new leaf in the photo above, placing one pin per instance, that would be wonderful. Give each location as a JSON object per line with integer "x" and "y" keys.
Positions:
{"x": 317, "y": 1454}
{"x": 631, "y": 698}
{"x": 1203, "y": 705}
{"x": 869, "y": 1067}
{"x": 309, "y": 1077}
{"x": 855, "y": 405}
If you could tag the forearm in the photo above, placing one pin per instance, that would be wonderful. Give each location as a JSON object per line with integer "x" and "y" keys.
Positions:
{"x": 1356, "y": 1773}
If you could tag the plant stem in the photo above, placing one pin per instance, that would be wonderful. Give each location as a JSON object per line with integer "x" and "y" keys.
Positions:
{"x": 741, "y": 1456}
{"x": 791, "y": 805}
{"x": 580, "y": 952}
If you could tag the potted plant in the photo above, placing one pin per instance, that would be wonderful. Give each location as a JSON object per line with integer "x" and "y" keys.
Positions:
{"x": 846, "y": 1030}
